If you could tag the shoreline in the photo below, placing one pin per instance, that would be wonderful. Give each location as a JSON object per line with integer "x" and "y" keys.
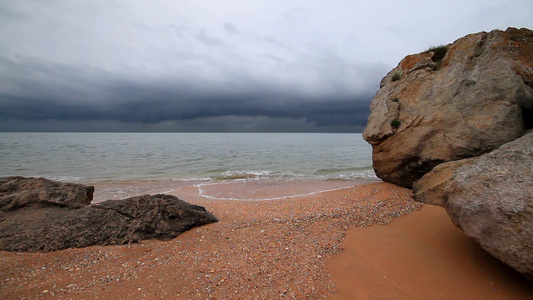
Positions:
{"x": 258, "y": 249}
{"x": 257, "y": 189}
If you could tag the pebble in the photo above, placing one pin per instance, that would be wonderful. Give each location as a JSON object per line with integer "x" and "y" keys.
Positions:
{"x": 259, "y": 249}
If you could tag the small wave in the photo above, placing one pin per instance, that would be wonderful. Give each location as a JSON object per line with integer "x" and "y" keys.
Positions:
{"x": 195, "y": 159}
{"x": 215, "y": 171}
{"x": 243, "y": 175}
{"x": 346, "y": 173}
{"x": 63, "y": 178}
{"x": 336, "y": 170}
{"x": 192, "y": 179}
{"x": 54, "y": 178}
{"x": 236, "y": 177}
{"x": 202, "y": 193}
{"x": 363, "y": 174}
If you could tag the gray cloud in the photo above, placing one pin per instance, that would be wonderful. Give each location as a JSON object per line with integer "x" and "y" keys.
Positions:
{"x": 230, "y": 28}
{"x": 211, "y": 66}
{"x": 207, "y": 40}
{"x": 151, "y": 102}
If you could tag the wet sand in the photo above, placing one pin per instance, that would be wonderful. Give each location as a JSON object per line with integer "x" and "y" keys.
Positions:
{"x": 272, "y": 249}
{"x": 245, "y": 190}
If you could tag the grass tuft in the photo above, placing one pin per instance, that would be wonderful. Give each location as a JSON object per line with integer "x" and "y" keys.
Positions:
{"x": 438, "y": 52}
{"x": 396, "y": 76}
{"x": 395, "y": 123}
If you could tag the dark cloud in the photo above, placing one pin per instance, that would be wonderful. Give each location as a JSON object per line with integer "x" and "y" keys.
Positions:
{"x": 45, "y": 91}
{"x": 208, "y": 65}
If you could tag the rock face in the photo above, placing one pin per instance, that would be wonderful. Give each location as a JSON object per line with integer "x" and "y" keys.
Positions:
{"x": 431, "y": 110}
{"x": 491, "y": 199}
{"x": 42, "y": 215}
{"x": 450, "y": 123}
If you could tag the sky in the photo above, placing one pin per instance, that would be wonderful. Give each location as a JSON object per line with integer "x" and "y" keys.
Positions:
{"x": 211, "y": 65}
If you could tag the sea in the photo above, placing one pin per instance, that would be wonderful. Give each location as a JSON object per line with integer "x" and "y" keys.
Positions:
{"x": 157, "y": 159}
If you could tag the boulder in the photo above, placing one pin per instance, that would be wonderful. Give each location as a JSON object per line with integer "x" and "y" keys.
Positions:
{"x": 18, "y": 192}
{"x": 490, "y": 198}
{"x": 435, "y": 108}
{"x": 432, "y": 188}
{"x": 41, "y": 215}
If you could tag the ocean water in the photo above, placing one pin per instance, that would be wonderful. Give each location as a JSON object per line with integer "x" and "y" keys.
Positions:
{"x": 97, "y": 158}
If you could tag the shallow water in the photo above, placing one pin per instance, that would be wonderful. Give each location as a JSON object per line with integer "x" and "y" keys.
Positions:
{"x": 242, "y": 190}
{"x": 124, "y": 164}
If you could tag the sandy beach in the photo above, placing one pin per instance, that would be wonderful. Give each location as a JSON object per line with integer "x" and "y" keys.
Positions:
{"x": 332, "y": 245}
{"x": 421, "y": 256}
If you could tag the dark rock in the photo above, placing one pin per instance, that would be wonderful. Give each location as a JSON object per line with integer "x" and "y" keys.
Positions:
{"x": 42, "y": 215}
{"x": 20, "y": 192}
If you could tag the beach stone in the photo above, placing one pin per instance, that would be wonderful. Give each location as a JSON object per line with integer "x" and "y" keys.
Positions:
{"x": 18, "y": 192}
{"x": 491, "y": 199}
{"x": 41, "y": 215}
{"x": 478, "y": 97}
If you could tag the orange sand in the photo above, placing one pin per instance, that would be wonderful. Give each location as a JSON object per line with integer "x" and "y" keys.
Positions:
{"x": 277, "y": 249}
{"x": 421, "y": 256}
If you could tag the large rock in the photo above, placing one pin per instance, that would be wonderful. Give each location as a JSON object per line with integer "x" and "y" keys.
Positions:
{"x": 432, "y": 188}
{"x": 491, "y": 199}
{"x": 17, "y": 192}
{"x": 431, "y": 110}
{"x": 41, "y": 215}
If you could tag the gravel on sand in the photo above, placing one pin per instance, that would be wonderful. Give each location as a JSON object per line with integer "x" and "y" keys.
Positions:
{"x": 259, "y": 250}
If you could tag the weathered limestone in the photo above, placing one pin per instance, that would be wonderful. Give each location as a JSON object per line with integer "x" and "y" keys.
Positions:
{"x": 452, "y": 128}
{"x": 478, "y": 97}
{"x": 491, "y": 198}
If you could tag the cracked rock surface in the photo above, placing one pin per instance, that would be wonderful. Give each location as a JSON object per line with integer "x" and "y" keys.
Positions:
{"x": 476, "y": 98}
{"x": 40, "y": 215}
{"x": 490, "y": 198}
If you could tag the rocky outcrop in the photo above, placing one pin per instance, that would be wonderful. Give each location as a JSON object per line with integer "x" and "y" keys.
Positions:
{"x": 491, "y": 199}
{"x": 450, "y": 123}
{"x": 41, "y": 215}
{"x": 435, "y": 108}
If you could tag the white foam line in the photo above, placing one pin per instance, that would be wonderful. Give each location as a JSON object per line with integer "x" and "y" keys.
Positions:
{"x": 168, "y": 192}
{"x": 201, "y": 194}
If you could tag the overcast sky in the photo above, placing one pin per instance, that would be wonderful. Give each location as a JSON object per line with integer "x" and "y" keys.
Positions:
{"x": 211, "y": 65}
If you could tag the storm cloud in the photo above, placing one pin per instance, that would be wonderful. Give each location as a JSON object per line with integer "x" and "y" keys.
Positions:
{"x": 213, "y": 66}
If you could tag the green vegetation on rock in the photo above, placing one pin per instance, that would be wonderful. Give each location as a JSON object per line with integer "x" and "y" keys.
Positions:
{"x": 395, "y": 123}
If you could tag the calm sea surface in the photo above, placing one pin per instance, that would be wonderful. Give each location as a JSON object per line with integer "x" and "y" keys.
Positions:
{"x": 122, "y": 157}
